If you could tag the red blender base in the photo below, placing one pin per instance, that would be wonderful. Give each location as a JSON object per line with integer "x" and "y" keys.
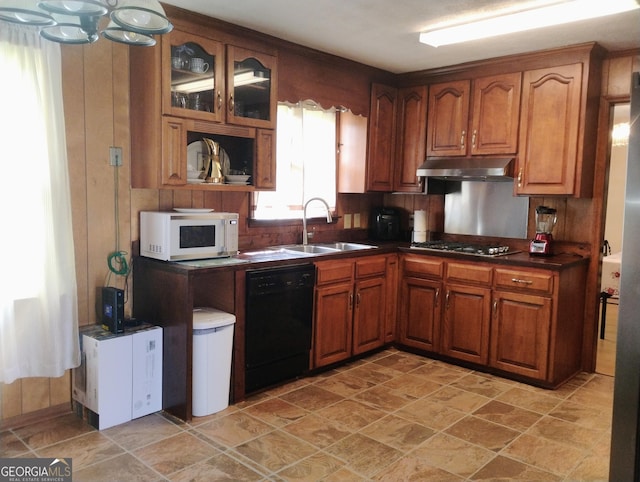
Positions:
{"x": 541, "y": 245}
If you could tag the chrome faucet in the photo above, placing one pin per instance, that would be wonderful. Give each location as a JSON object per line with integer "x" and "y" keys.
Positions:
{"x": 305, "y": 235}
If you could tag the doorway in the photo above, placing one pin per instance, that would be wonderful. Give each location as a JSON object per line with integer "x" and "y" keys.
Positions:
{"x": 612, "y": 246}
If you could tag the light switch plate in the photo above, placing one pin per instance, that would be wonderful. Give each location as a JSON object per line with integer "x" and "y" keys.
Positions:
{"x": 347, "y": 221}
{"x": 356, "y": 220}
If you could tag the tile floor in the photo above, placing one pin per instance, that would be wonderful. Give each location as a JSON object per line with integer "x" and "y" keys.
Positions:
{"x": 392, "y": 416}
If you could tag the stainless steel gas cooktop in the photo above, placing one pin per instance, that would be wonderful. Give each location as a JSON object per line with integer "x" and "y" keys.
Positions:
{"x": 491, "y": 250}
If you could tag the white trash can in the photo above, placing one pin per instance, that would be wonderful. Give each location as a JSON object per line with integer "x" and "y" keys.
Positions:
{"x": 212, "y": 348}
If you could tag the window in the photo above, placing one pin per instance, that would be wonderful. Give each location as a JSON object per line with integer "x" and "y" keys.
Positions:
{"x": 306, "y": 163}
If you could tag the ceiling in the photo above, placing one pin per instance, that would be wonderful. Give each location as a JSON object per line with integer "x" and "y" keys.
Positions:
{"x": 384, "y": 33}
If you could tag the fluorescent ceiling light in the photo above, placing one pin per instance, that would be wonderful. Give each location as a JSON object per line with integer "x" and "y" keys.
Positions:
{"x": 555, "y": 14}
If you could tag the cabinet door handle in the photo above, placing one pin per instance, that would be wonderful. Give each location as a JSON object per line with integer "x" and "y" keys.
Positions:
{"x": 462, "y": 136}
{"x": 358, "y": 299}
{"x": 231, "y": 103}
{"x": 446, "y": 300}
{"x": 437, "y": 296}
{"x": 473, "y": 138}
{"x": 350, "y": 301}
{"x": 522, "y": 281}
{"x": 495, "y": 307}
{"x": 219, "y": 100}
{"x": 520, "y": 178}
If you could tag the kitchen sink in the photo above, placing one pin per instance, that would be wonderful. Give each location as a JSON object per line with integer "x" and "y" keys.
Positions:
{"x": 310, "y": 248}
{"x": 289, "y": 250}
{"x": 325, "y": 248}
{"x": 348, "y": 246}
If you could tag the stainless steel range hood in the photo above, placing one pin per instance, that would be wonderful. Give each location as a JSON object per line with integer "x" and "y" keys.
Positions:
{"x": 468, "y": 169}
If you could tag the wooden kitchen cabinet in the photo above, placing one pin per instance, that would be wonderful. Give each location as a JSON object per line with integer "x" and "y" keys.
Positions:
{"x": 251, "y": 85}
{"x": 520, "y": 333}
{"x": 520, "y": 321}
{"x": 537, "y": 322}
{"x": 382, "y": 138}
{"x": 550, "y": 126}
{"x": 411, "y": 136}
{"x": 467, "y": 311}
{"x": 419, "y": 308}
{"x": 478, "y": 117}
{"x": 231, "y": 100}
{"x": 350, "y": 311}
{"x": 448, "y": 118}
{"x": 465, "y": 327}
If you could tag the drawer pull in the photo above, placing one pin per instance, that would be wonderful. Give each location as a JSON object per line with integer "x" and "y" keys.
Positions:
{"x": 522, "y": 281}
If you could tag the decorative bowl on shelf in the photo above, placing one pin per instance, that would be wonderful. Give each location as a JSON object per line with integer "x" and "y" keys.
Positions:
{"x": 237, "y": 178}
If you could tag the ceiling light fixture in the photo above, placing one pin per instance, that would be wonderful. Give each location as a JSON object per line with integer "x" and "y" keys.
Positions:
{"x": 554, "y": 14}
{"x": 133, "y": 22}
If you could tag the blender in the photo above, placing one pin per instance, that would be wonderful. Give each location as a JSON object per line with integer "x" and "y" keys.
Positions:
{"x": 545, "y": 221}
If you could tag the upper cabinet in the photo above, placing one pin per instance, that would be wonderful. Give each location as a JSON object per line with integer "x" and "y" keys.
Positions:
{"x": 193, "y": 87}
{"x": 381, "y": 143}
{"x": 396, "y": 143}
{"x": 448, "y": 118}
{"x": 482, "y": 121}
{"x": 251, "y": 81}
{"x": 199, "y": 82}
{"x": 193, "y": 83}
{"x": 552, "y": 111}
{"x": 410, "y": 138}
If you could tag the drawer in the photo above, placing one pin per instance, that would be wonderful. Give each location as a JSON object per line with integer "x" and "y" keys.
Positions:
{"x": 333, "y": 271}
{"x": 539, "y": 281}
{"x": 422, "y": 266}
{"x": 469, "y": 273}
{"x": 373, "y": 266}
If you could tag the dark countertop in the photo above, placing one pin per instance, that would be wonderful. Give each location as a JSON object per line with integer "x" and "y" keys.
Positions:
{"x": 518, "y": 258}
{"x": 264, "y": 258}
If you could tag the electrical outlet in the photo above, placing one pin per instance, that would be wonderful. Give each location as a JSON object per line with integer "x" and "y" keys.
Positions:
{"x": 115, "y": 156}
{"x": 356, "y": 220}
{"x": 347, "y": 221}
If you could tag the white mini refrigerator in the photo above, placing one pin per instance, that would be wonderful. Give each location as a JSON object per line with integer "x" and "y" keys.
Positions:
{"x": 120, "y": 377}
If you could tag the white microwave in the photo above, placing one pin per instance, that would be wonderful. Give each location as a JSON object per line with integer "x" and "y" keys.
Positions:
{"x": 177, "y": 236}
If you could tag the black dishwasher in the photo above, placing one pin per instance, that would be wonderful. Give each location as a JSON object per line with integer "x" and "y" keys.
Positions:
{"x": 279, "y": 314}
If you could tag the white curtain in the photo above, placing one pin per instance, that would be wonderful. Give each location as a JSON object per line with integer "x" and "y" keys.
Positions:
{"x": 38, "y": 293}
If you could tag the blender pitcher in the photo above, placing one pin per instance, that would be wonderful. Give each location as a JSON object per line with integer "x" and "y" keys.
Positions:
{"x": 546, "y": 218}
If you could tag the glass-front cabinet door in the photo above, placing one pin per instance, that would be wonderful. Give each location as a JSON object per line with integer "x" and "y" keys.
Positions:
{"x": 193, "y": 79}
{"x": 251, "y": 81}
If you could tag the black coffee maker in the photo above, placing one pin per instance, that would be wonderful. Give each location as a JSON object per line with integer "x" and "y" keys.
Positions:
{"x": 384, "y": 224}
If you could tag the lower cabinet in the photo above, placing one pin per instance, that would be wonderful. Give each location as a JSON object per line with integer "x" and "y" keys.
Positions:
{"x": 523, "y": 321}
{"x": 520, "y": 333}
{"x": 465, "y": 328}
{"x": 419, "y": 302}
{"x": 350, "y": 308}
